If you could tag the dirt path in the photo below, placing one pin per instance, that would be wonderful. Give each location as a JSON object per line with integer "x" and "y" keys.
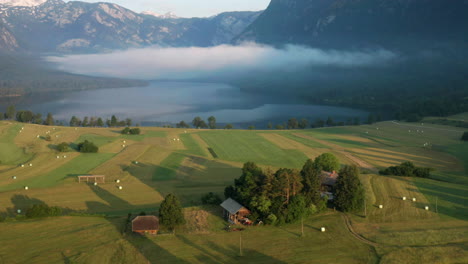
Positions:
{"x": 341, "y": 150}
{"x": 356, "y": 235}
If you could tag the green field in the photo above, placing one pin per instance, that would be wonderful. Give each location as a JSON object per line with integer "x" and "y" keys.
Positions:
{"x": 10, "y": 153}
{"x": 153, "y": 165}
{"x": 243, "y": 146}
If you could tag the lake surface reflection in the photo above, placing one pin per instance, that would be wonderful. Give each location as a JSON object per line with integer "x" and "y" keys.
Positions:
{"x": 171, "y": 102}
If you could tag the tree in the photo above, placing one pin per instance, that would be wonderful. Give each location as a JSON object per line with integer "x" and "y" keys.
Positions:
{"x": 287, "y": 183}
{"x": 251, "y": 127}
{"x": 270, "y": 125}
{"x": 292, "y": 123}
{"x": 304, "y": 123}
{"x": 128, "y": 122}
{"x": 279, "y": 127}
{"x": 349, "y": 192}
{"x": 297, "y": 208}
{"x": 87, "y": 147}
{"x": 229, "y": 126}
{"x": 125, "y": 131}
{"x": 311, "y": 181}
{"x": 24, "y": 116}
{"x": 99, "y": 122}
{"x": 85, "y": 121}
{"x": 182, "y": 124}
{"x": 74, "y": 121}
{"x": 114, "y": 121}
{"x": 63, "y": 147}
{"x": 212, "y": 122}
{"x": 49, "y": 120}
{"x": 170, "y": 212}
{"x": 330, "y": 121}
{"x": 211, "y": 198}
{"x": 319, "y": 123}
{"x": 327, "y": 162}
{"x": 465, "y": 136}
{"x": 10, "y": 113}
{"x": 196, "y": 122}
{"x": 371, "y": 119}
{"x": 37, "y": 118}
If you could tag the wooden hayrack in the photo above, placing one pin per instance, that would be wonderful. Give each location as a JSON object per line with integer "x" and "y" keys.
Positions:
{"x": 102, "y": 178}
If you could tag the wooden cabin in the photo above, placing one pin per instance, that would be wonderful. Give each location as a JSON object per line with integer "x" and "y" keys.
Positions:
{"x": 328, "y": 182}
{"x": 148, "y": 224}
{"x": 234, "y": 212}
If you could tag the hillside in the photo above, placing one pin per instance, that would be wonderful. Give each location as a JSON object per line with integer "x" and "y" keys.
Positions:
{"x": 154, "y": 164}
{"x": 361, "y": 24}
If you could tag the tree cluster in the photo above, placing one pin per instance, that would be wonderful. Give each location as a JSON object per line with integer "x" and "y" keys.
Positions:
{"x": 98, "y": 122}
{"x": 211, "y": 199}
{"x": 43, "y": 210}
{"x": 131, "y": 131}
{"x": 87, "y": 147}
{"x": 26, "y": 116}
{"x": 63, "y": 147}
{"x": 278, "y": 197}
{"x": 407, "y": 169}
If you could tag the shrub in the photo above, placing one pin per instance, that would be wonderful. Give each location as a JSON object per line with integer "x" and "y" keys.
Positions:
{"x": 407, "y": 169}
{"x": 87, "y": 147}
{"x": 48, "y": 138}
{"x": 211, "y": 198}
{"x": 327, "y": 162}
{"x": 271, "y": 219}
{"x": 43, "y": 210}
{"x": 63, "y": 147}
{"x": 131, "y": 131}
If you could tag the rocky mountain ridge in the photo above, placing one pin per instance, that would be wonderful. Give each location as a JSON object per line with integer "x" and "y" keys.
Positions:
{"x": 58, "y": 26}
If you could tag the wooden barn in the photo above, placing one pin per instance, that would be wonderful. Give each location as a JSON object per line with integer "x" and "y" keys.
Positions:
{"x": 328, "y": 182}
{"x": 234, "y": 212}
{"x": 148, "y": 224}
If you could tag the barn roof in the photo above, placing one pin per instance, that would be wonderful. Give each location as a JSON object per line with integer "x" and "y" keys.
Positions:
{"x": 147, "y": 222}
{"x": 329, "y": 178}
{"x": 231, "y": 206}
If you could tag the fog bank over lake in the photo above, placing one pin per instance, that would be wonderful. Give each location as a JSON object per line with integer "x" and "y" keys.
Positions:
{"x": 171, "y": 102}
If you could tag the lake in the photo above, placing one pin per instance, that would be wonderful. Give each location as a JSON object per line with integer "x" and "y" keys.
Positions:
{"x": 171, "y": 102}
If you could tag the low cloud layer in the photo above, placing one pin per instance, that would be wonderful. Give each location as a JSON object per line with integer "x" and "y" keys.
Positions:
{"x": 182, "y": 63}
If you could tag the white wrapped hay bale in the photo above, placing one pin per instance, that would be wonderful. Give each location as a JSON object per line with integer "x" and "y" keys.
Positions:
{"x": 95, "y": 184}
{"x": 414, "y": 199}
{"x": 404, "y": 198}
{"x": 426, "y": 208}
{"x": 322, "y": 229}
{"x": 117, "y": 181}
{"x": 380, "y": 206}
{"x": 26, "y": 187}
{"x": 120, "y": 187}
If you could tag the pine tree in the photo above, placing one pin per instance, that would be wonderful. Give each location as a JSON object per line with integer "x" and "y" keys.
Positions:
{"x": 49, "y": 120}
{"x": 170, "y": 212}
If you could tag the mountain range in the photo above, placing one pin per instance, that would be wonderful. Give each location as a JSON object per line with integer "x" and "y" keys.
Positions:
{"x": 58, "y": 26}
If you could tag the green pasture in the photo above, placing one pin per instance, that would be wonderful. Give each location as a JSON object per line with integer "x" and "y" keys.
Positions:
{"x": 191, "y": 145}
{"x": 98, "y": 140}
{"x": 243, "y": 146}
{"x": 10, "y": 153}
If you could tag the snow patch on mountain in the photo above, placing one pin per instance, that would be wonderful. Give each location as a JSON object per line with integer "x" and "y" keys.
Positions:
{"x": 168, "y": 15}
{"x": 22, "y": 2}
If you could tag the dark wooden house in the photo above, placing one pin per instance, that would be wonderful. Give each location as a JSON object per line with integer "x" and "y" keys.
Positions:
{"x": 328, "y": 182}
{"x": 148, "y": 224}
{"x": 234, "y": 212}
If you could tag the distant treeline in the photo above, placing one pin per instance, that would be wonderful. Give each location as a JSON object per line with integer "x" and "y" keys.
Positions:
{"x": 27, "y": 116}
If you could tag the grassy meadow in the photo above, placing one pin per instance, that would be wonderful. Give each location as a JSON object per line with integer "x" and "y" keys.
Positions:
{"x": 191, "y": 163}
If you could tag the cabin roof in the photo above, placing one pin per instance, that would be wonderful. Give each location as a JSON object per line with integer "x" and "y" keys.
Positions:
{"x": 231, "y": 206}
{"x": 146, "y": 222}
{"x": 329, "y": 178}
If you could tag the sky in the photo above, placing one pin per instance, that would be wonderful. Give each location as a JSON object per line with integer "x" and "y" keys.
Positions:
{"x": 190, "y": 8}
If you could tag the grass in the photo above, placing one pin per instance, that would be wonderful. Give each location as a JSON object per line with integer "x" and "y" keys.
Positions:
{"x": 98, "y": 240}
{"x": 243, "y": 146}
{"x": 10, "y": 153}
{"x": 405, "y": 232}
{"x": 167, "y": 170}
{"x": 192, "y": 146}
{"x": 146, "y": 134}
{"x": 82, "y": 164}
